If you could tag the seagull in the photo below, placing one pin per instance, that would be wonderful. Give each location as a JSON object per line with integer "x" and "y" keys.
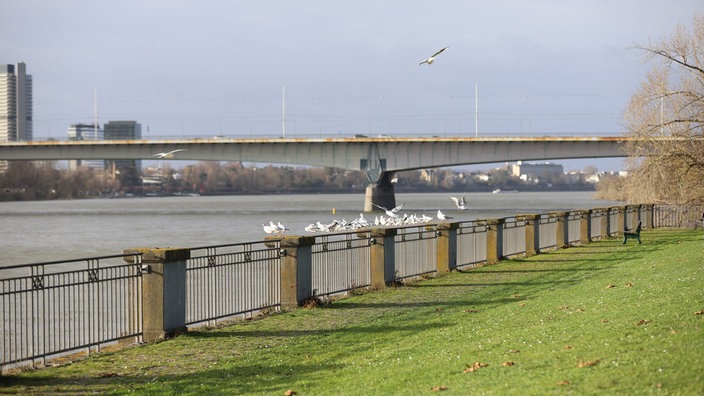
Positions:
{"x": 170, "y": 154}
{"x": 460, "y": 202}
{"x": 393, "y": 213}
{"x": 432, "y": 58}
{"x": 269, "y": 228}
{"x": 442, "y": 216}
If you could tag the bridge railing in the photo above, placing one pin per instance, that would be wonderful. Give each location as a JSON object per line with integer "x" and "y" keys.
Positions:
{"x": 145, "y": 294}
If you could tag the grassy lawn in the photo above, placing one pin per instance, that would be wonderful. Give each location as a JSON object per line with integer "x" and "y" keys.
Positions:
{"x": 605, "y": 318}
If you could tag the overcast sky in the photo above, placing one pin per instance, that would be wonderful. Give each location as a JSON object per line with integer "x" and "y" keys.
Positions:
{"x": 215, "y": 67}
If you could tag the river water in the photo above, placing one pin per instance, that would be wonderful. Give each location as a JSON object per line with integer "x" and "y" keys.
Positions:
{"x": 60, "y": 230}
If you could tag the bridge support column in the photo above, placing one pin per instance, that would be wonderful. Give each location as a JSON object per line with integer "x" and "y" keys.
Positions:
{"x": 380, "y": 193}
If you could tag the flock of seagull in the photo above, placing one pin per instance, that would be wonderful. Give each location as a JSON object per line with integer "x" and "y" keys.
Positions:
{"x": 393, "y": 218}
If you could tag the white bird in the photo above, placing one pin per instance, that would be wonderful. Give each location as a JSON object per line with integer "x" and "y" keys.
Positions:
{"x": 393, "y": 213}
{"x": 170, "y": 154}
{"x": 460, "y": 202}
{"x": 269, "y": 228}
{"x": 442, "y": 216}
{"x": 432, "y": 58}
{"x": 280, "y": 227}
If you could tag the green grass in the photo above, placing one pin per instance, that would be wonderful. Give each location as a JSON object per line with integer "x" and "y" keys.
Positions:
{"x": 605, "y": 318}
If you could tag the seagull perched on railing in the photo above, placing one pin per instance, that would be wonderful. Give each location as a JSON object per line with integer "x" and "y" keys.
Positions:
{"x": 442, "y": 216}
{"x": 460, "y": 202}
{"x": 170, "y": 154}
{"x": 432, "y": 58}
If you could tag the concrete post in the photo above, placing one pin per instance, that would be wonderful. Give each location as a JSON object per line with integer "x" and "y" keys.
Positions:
{"x": 636, "y": 217}
{"x": 383, "y": 257}
{"x": 532, "y": 233}
{"x": 605, "y": 218}
{"x": 447, "y": 247}
{"x": 621, "y": 219}
{"x": 494, "y": 240}
{"x": 561, "y": 229}
{"x": 585, "y": 226}
{"x": 296, "y": 270}
{"x": 163, "y": 291}
{"x": 648, "y": 222}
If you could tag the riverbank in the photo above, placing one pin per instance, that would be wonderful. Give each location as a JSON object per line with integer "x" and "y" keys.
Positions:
{"x": 602, "y": 318}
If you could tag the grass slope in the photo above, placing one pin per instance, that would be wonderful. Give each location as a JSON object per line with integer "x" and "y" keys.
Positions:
{"x": 604, "y": 318}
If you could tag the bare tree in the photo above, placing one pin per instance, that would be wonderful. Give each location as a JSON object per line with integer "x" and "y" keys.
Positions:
{"x": 665, "y": 119}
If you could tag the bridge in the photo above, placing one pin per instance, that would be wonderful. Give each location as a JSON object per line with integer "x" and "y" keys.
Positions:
{"x": 379, "y": 157}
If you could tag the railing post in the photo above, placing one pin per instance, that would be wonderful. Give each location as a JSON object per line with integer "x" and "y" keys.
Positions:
{"x": 636, "y": 217}
{"x": 163, "y": 291}
{"x": 296, "y": 270}
{"x": 561, "y": 229}
{"x": 621, "y": 219}
{"x": 494, "y": 240}
{"x": 585, "y": 226}
{"x": 605, "y": 219}
{"x": 532, "y": 233}
{"x": 383, "y": 257}
{"x": 649, "y": 214}
{"x": 447, "y": 247}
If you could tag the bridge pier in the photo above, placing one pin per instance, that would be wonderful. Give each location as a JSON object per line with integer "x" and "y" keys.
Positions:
{"x": 380, "y": 193}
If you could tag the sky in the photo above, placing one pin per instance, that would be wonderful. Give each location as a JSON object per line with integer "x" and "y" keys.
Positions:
{"x": 318, "y": 68}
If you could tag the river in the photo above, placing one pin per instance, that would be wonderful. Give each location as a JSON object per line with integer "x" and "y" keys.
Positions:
{"x": 41, "y": 231}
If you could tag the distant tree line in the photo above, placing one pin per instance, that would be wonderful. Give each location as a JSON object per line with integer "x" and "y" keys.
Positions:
{"x": 26, "y": 180}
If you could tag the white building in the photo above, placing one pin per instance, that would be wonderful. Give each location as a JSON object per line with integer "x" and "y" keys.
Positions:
{"x": 86, "y": 132}
{"x": 534, "y": 171}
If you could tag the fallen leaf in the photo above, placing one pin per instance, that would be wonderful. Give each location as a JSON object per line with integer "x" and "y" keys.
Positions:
{"x": 629, "y": 284}
{"x": 474, "y": 367}
{"x": 568, "y": 347}
{"x": 605, "y": 321}
{"x": 290, "y": 392}
{"x": 588, "y": 364}
{"x": 508, "y": 364}
{"x": 563, "y": 382}
{"x": 643, "y": 322}
{"x": 579, "y": 310}
{"x": 564, "y": 307}
{"x": 516, "y": 295}
{"x": 439, "y": 388}
{"x": 610, "y": 286}
{"x": 471, "y": 310}
{"x": 699, "y": 312}
{"x": 513, "y": 351}
{"x": 439, "y": 309}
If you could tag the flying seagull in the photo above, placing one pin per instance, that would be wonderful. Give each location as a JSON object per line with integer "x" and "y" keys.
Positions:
{"x": 460, "y": 202}
{"x": 391, "y": 212}
{"x": 170, "y": 154}
{"x": 432, "y": 58}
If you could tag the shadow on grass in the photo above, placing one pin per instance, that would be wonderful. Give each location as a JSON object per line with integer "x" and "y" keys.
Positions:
{"x": 235, "y": 380}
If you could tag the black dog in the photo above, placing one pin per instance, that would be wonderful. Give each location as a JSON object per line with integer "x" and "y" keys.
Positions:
{"x": 632, "y": 235}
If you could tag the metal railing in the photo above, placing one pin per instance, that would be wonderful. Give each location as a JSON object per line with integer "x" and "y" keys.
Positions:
{"x": 687, "y": 216}
{"x": 341, "y": 262}
{"x": 547, "y": 231}
{"x": 64, "y": 307}
{"x": 595, "y": 229}
{"x": 227, "y": 281}
{"x": 573, "y": 226}
{"x": 471, "y": 243}
{"x": 415, "y": 251}
{"x": 514, "y": 237}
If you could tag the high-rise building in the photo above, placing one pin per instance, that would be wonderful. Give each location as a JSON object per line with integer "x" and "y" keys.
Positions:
{"x": 86, "y": 132}
{"x": 15, "y": 103}
{"x": 124, "y": 130}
